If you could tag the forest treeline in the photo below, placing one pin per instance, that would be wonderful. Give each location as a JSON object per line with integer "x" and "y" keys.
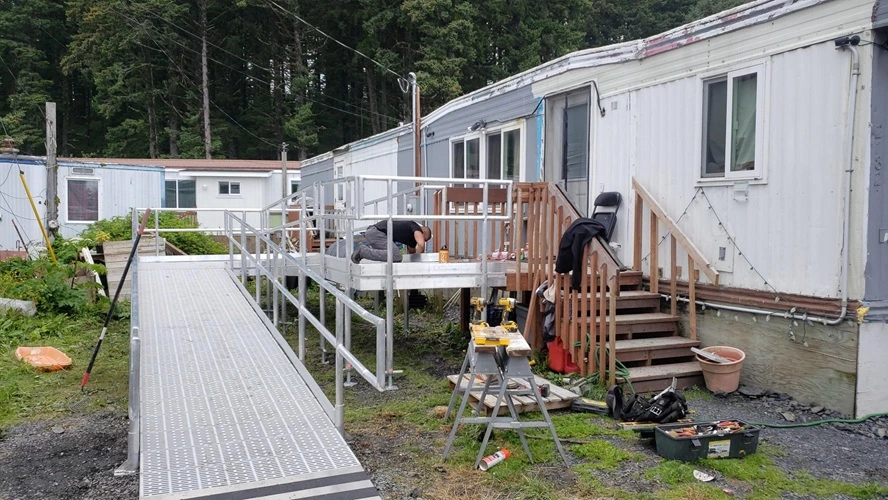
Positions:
{"x": 142, "y": 78}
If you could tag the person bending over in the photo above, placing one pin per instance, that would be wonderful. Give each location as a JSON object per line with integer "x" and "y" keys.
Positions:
{"x": 406, "y": 232}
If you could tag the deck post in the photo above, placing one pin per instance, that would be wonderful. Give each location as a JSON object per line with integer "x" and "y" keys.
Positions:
{"x": 636, "y": 237}
{"x": 389, "y": 292}
{"x": 692, "y": 298}
{"x": 353, "y": 197}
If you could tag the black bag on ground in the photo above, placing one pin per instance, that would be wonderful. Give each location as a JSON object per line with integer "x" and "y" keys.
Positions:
{"x": 668, "y": 406}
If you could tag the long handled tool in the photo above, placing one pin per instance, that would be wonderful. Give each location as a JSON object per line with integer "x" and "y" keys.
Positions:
{"x": 129, "y": 261}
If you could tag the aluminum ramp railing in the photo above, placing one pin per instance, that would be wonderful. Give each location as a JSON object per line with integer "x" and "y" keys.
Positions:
{"x": 225, "y": 411}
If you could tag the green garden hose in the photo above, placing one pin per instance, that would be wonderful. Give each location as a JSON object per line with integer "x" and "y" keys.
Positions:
{"x": 621, "y": 369}
{"x": 825, "y": 421}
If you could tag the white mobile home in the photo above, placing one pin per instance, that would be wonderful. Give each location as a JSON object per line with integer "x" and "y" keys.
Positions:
{"x": 220, "y": 185}
{"x": 87, "y": 192}
{"x": 759, "y": 131}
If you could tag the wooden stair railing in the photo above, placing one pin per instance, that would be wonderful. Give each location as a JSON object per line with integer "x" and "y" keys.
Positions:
{"x": 696, "y": 261}
{"x": 542, "y": 214}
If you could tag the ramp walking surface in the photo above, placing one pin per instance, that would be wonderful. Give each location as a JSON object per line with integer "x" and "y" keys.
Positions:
{"x": 225, "y": 414}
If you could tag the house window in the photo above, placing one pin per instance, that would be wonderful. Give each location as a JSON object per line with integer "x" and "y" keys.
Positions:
{"x": 229, "y": 187}
{"x": 83, "y": 200}
{"x": 294, "y": 186}
{"x": 180, "y": 194}
{"x": 732, "y": 125}
{"x": 499, "y": 151}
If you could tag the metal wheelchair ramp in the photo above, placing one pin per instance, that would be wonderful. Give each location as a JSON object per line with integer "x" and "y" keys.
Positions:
{"x": 225, "y": 412}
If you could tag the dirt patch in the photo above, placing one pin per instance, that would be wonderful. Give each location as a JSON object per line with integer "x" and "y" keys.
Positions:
{"x": 66, "y": 459}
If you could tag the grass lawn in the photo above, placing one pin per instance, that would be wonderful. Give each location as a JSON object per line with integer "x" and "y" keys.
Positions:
{"x": 28, "y": 394}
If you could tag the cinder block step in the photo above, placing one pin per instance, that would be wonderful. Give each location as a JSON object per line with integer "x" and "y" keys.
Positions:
{"x": 658, "y": 377}
{"x": 657, "y": 348}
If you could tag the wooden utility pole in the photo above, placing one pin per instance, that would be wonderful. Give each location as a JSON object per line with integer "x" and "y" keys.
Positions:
{"x": 417, "y": 157}
{"x": 205, "y": 85}
{"x": 52, "y": 171}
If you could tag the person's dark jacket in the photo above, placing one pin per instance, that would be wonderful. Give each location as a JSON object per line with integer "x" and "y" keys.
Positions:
{"x": 570, "y": 251}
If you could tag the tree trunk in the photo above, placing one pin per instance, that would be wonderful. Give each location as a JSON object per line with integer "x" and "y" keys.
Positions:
{"x": 174, "y": 134}
{"x": 298, "y": 66}
{"x": 205, "y": 85}
{"x": 152, "y": 117}
{"x": 375, "y": 119}
{"x": 66, "y": 116}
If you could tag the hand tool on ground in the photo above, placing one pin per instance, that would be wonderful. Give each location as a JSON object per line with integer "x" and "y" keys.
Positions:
{"x": 137, "y": 237}
{"x": 711, "y": 356}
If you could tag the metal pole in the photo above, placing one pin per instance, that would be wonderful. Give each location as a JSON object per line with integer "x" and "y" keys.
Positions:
{"x": 322, "y": 295}
{"x": 389, "y": 294}
{"x": 156, "y": 234}
{"x": 339, "y": 411}
{"x": 484, "y": 251}
{"x": 285, "y": 240}
{"x": 349, "y": 248}
{"x": 303, "y": 251}
{"x": 52, "y": 171}
{"x": 417, "y": 163}
{"x": 258, "y": 279}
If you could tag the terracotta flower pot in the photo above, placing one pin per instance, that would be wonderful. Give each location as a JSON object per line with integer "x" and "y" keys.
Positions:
{"x": 724, "y": 377}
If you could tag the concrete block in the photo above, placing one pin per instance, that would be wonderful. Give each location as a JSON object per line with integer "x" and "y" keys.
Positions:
{"x": 25, "y": 307}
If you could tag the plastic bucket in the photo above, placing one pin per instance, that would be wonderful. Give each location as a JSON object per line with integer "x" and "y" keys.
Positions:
{"x": 722, "y": 377}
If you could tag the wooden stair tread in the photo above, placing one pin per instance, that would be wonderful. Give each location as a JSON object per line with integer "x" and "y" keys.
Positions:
{"x": 655, "y": 343}
{"x": 639, "y": 318}
{"x": 685, "y": 369}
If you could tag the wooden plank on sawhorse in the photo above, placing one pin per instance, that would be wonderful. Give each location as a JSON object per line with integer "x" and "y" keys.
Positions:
{"x": 558, "y": 398}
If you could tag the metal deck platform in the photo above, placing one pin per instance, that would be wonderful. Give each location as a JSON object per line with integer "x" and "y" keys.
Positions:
{"x": 225, "y": 412}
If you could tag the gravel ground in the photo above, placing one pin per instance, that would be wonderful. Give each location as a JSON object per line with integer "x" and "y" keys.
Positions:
{"x": 853, "y": 453}
{"x": 74, "y": 458}
{"x": 66, "y": 459}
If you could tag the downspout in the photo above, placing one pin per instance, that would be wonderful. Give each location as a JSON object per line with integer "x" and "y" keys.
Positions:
{"x": 843, "y": 43}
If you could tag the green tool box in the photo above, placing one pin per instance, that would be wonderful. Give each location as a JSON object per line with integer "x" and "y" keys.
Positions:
{"x": 723, "y": 443}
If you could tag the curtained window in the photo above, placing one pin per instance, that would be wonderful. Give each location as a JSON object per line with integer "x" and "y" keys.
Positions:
{"x": 83, "y": 200}
{"x": 732, "y": 125}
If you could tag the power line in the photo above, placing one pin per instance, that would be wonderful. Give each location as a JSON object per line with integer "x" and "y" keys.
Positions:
{"x": 255, "y": 78}
{"x": 268, "y": 70}
{"x": 303, "y": 21}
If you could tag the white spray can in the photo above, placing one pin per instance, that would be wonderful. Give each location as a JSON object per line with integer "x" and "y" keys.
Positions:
{"x": 491, "y": 460}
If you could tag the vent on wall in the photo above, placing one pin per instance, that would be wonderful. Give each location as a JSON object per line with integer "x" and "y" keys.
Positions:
{"x": 82, "y": 170}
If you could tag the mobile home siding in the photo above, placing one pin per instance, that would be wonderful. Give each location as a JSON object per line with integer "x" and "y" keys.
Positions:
{"x": 121, "y": 188}
{"x": 804, "y": 165}
{"x": 497, "y": 111}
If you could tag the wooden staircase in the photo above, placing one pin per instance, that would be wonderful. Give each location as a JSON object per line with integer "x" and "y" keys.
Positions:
{"x": 611, "y": 309}
{"x": 646, "y": 340}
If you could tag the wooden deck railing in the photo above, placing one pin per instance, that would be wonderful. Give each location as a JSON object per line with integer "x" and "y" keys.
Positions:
{"x": 585, "y": 318}
{"x": 696, "y": 261}
{"x": 462, "y": 237}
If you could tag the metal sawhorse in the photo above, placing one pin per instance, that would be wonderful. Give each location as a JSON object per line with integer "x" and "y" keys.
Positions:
{"x": 496, "y": 364}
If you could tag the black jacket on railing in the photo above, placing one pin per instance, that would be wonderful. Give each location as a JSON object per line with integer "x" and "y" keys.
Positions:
{"x": 570, "y": 251}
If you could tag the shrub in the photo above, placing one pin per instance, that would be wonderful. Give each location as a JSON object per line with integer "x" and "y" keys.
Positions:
{"x": 120, "y": 228}
{"x": 45, "y": 283}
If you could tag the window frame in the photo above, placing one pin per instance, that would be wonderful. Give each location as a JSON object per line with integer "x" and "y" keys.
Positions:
{"x": 229, "y": 194}
{"x": 176, "y": 204}
{"x": 758, "y": 174}
{"x": 98, "y": 182}
{"x": 482, "y": 137}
